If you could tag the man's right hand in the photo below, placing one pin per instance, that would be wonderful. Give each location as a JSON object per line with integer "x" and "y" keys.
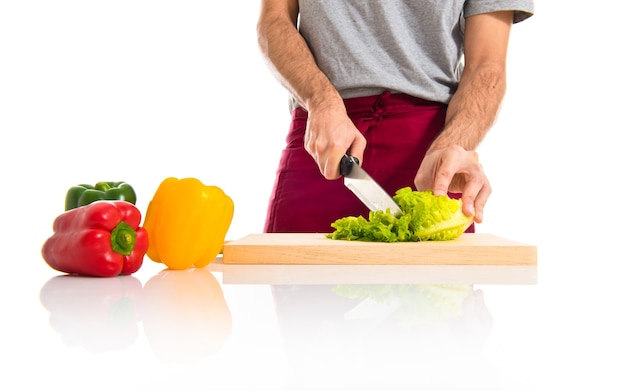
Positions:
{"x": 329, "y": 135}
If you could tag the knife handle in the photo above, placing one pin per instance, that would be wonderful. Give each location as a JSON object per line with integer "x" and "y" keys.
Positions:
{"x": 345, "y": 166}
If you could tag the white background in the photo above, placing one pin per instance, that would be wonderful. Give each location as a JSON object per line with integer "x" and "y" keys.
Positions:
{"x": 142, "y": 90}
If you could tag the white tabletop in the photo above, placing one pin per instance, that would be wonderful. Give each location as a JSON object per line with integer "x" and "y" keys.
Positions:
{"x": 555, "y": 326}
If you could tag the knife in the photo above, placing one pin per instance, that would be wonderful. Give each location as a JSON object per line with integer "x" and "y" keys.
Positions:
{"x": 364, "y": 187}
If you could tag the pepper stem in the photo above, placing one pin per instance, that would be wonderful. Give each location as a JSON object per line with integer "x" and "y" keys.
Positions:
{"x": 123, "y": 239}
{"x": 102, "y": 186}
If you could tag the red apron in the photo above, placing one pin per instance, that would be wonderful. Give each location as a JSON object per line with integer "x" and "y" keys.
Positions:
{"x": 398, "y": 129}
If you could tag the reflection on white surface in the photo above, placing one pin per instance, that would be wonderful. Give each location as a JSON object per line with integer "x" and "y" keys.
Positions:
{"x": 422, "y": 314}
{"x": 375, "y": 274}
{"x": 185, "y": 329}
{"x": 380, "y": 333}
{"x": 185, "y": 317}
{"x": 183, "y": 313}
{"x": 98, "y": 314}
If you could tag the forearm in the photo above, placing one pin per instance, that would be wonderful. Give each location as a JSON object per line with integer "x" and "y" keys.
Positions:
{"x": 291, "y": 61}
{"x": 473, "y": 108}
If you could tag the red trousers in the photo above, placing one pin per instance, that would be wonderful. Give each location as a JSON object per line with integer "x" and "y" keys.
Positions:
{"x": 398, "y": 128}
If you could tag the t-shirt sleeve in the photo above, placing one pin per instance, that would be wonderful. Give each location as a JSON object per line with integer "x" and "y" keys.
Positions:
{"x": 523, "y": 9}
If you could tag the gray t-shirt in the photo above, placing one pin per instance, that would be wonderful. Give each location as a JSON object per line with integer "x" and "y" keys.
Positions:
{"x": 415, "y": 47}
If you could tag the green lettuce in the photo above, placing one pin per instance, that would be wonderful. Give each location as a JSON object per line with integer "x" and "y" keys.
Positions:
{"x": 424, "y": 216}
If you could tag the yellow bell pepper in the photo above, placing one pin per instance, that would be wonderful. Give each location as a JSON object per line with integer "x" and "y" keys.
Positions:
{"x": 187, "y": 223}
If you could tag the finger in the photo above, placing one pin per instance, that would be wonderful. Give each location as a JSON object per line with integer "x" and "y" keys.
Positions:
{"x": 331, "y": 162}
{"x": 308, "y": 140}
{"x": 445, "y": 170}
{"x": 471, "y": 185}
{"x": 310, "y": 148}
{"x": 318, "y": 151}
{"x": 474, "y": 197}
{"x": 476, "y": 191}
{"x": 481, "y": 201}
{"x": 423, "y": 177}
{"x": 357, "y": 149}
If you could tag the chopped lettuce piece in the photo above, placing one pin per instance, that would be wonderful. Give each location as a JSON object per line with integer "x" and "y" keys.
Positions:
{"x": 424, "y": 216}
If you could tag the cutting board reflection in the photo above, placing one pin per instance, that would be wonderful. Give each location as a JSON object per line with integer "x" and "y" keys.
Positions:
{"x": 316, "y": 249}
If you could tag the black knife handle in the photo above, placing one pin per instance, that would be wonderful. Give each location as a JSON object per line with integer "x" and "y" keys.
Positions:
{"x": 345, "y": 166}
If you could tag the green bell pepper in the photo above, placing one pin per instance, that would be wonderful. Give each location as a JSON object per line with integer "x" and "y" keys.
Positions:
{"x": 81, "y": 195}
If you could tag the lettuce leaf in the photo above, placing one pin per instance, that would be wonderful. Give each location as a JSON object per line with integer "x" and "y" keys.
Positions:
{"x": 424, "y": 216}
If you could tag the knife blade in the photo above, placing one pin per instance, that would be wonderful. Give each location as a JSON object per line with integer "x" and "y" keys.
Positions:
{"x": 364, "y": 187}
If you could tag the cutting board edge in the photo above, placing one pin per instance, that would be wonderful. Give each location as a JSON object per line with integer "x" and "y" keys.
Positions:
{"x": 252, "y": 249}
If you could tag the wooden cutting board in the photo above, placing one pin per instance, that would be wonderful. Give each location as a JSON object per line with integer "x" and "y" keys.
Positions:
{"x": 316, "y": 249}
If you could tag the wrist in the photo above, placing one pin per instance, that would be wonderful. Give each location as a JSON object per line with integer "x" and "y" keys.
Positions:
{"x": 324, "y": 98}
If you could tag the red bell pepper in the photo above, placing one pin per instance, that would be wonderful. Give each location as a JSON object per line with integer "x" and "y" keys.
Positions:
{"x": 101, "y": 239}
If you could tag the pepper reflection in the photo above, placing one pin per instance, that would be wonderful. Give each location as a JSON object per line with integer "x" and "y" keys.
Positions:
{"x": 186, "y": 316}
{"x": 183, "y": 312}
{"x": 98, "y": 314}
